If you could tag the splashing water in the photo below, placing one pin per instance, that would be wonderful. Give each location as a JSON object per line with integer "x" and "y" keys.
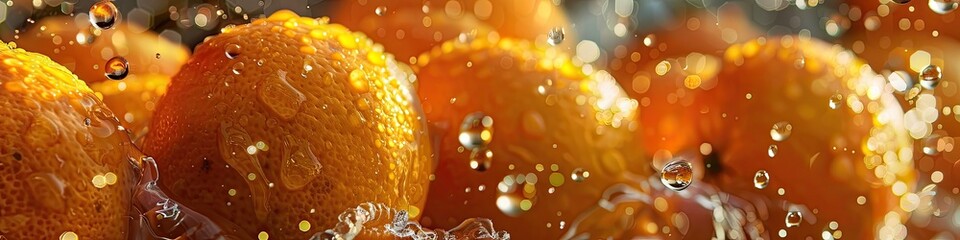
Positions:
{"x": 367, "y": 216}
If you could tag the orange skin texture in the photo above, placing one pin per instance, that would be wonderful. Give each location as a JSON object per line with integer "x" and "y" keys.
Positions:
{"x": 134, "y": 99}
{"x": 54, "y": 166}
{"x": 501, "y": 79}
{"x": 424, "y": 31}
{"x": 717, "y": 111}
{"x": 330, "y": 141}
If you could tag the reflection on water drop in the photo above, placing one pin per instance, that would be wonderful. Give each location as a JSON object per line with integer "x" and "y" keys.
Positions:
{"x": 943, "y": 6}
{"x": 69, "y": 235}
{"x": 555, "y": 36}
{"x": 517, "y": 194}
{"x": 47, "y": 190}
{"x": 677, "y": 175}
{"x": 237, "y": 68}
{"x": 781, "y": 131}
{"x": 380, "y": 11}
{"x": 793, "y": 219}
{"x": 800, "y": 62}
{"x": 116, "y": 68}
{"x": 104, "y": 14}
{"x": 761, "y": 179}
{"x": 481, "y": 159}
{"x": 772, "y": 150}
{"x": 232, "y": 51}
{"x": 930, "y": 76}
{"x": 476, "y": 131}
{"x": 835, "y": 101}
{"x": 280, "y": 97}
{"x": 901, "y": 1}
{"x": 930, "y": 145}
{"x": 579, "y": 175}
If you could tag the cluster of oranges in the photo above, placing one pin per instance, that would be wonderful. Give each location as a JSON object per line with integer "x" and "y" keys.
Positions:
{"x": 387, "y": 120}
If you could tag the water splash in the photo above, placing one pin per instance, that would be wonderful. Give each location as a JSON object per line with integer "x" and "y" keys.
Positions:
{"x": 366, "y": 218}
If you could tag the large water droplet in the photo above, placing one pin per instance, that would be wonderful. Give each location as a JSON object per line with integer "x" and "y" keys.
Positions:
{"x": 233, "y": 149}
{"x": 942, "y": 6}
{"x": 47, "y": 190}
{"x": 281, "y": 97}
{"x": 555, "y": 36}
{"x": 836, "y": 101}
{"x": 793, "y": 219}
{"x": 781, "y": 131}
{"x": 761, "y": 179}
{"x": 579, "y": 175}
{"x": 232, "y": 51}
{"x": 116, "y": 68}
{"x": 772, "y": 150}
{"x": 104, "y": 14}
{"x": 930, "y": 76}
{"x": 476, "y": 131}
{"x": 300, "y": 165}
{"x": 677, "y": 175}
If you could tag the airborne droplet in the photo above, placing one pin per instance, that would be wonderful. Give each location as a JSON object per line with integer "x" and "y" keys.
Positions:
{"x": 835, "y": 101}
{"x": 761, "y": 179}
{"x": 930, "y": 76}
{"x": 104, "y": 14}
{"x": 579, "y": 175}
{"x": 116, "y": 68}
{"x": 793, "y": 219}
{"x": 943, "y": 6}
{"x": 930, "y": 145}
{"x": 677, "y": 175}
{"x": 772, "y": 150}
{"x": 481, "y": 159}
{"x": 781, "y": 131}
{"x": 476, "y": 131}
{"x": 380, "y": 11}
{"x": 555, "y": 36}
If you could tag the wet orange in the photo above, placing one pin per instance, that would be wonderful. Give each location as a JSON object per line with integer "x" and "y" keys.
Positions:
{"x": 85, "y": 50}
{"x": 555, "y": 137}
{"x": 281, "y": 124}
{"x": 64, "y": 169}
{"x": 849, "y": 163}
{"x": 408, "y": 28}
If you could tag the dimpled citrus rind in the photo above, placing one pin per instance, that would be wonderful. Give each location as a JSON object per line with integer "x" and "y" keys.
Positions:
{"x": 550, "y": 117}
{"x": 283, "y": 123}
{"x": 62, "y": 165}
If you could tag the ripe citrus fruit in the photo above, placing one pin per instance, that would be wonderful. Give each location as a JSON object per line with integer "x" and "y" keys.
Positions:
{"x": 281, "y": 124}
{"x": 830, "y": 142}
{"x": 524, "y": 136}
{"x": 408, "y": 28}
{"x": 85, "y": 50}
{"x": 64, "y": 171}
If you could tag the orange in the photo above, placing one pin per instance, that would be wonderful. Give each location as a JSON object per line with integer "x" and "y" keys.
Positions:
{"x": 849, "y": 164}
{"x": 408, "y": 28}
{"x": 85, "y": 50}
{"x": 64, "y": 171}
{"x": 281, "y": 124}
{"x": 879, "y": 29}
{"x": 549, "y": 138}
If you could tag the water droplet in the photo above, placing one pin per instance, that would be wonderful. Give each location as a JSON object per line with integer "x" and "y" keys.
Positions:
{"x": 476, "y": 131}
{"x": 158, "y": 56}
{"x": 555, "y": 36}
{"x": 579, "y": 175}
{"x": 943, "y": 6}
{"x": 930, "y": 145}
{"x": 835, "y": 101}
{"x": 104, "y": 14}
{"x": 761, "y": 179}
{"x": 800, "y": 62}
{"x": 232, "y": 145}
{"x": 300, "y": 165}
{"x": 781, "y": 131}
{"x": 481, "y": 159}
{"x": 358, "y": 80}
{"x": 68, "y": 235}
{"x": 772, "y": 150}
{"x": 930, "y": 76}
{"x": 677, "y": 175}
{"x": 47, "y": 190}
{"x": 237, "y": 68}
{"x": 380, "y": 11}
{"x": 901, "y": 1}
{"x": 232, "y": 51}
{"x": 517, "y": 194}
{"x": 793, "y": 219}
{"x": 280, "y": 97}
{"x": 116, "y": 68}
